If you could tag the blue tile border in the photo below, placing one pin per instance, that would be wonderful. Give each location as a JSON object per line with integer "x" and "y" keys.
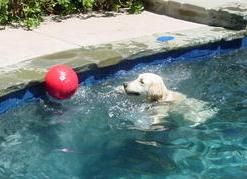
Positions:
{"x": 35, "y": 91}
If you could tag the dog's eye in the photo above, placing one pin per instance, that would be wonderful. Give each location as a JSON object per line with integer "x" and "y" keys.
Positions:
{"x": 141, "y": 81}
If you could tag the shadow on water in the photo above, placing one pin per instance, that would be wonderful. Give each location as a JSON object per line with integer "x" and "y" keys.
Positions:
{"x": 128, "y": 159}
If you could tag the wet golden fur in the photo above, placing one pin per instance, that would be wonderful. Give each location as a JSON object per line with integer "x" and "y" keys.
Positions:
{"x": 152, "y": 87}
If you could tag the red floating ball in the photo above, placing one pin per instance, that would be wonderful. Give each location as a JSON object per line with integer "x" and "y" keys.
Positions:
{"x": 61, "y": 82}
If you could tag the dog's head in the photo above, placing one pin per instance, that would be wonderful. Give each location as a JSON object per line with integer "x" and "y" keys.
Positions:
{"x": 149, "y": 85}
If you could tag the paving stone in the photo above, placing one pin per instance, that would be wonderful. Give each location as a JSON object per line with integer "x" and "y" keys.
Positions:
{"x": 223, "y": 13}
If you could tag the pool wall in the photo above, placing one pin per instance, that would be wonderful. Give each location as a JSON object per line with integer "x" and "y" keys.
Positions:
{"x": 93, "y": 73}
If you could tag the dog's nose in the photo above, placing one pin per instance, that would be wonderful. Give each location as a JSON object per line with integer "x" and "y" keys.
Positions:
{"x": 125, "y": 85}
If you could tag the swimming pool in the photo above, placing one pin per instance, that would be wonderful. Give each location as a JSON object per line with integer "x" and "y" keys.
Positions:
{"x": 102, "y": 134}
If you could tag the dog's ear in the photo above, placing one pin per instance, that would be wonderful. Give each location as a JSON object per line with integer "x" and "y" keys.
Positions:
{"x": 157, "y": 91}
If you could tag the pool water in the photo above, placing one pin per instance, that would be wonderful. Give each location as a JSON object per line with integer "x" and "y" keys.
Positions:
{"x": 103, "y": 134}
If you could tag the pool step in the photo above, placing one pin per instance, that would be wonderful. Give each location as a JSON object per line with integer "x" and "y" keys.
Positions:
{"x": 230, "y": 14}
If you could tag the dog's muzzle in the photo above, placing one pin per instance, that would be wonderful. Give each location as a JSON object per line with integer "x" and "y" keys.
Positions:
{"x": 125, "y": 85}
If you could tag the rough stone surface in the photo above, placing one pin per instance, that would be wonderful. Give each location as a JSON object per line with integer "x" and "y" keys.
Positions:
{"x": 223, "y": 13}
{"x": 20, "y": 75}
{"x": 75, "y": 32}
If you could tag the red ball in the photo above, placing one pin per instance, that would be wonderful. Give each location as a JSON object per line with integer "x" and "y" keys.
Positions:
{"x": 61, "y": 82}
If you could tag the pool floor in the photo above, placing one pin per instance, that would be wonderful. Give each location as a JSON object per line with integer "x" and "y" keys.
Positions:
{"x": 102, "y": 134}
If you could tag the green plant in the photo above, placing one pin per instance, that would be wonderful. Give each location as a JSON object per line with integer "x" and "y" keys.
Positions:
{"x": 88, "y": 4}
{"x": 116, "y": 7}
{"x": 4, "y": 11}
{"x": 29, "y": 13}
{"x": 136, "y": 7}
{"x": 64, "y": 7}
{"x": 30, "y": 22}
{"x": 105, "y": 4}
{"x": 32, "y": 14}
{"x": 48, "y": 6}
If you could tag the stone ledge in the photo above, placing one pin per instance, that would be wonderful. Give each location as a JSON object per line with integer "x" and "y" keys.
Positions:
{"x": 230, "y": 14}
{"x": 79, "y": 31}
{"x": 82, "y": 59}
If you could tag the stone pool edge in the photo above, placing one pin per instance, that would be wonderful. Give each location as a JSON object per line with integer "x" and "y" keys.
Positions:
{"x": 23, "y": 82}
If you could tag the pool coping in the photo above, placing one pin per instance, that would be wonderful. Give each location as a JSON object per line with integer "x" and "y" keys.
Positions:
{"x": 230, "y": 14}
{"x": 22, "y": 83}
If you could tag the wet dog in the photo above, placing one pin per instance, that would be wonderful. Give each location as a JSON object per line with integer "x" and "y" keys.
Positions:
{"x": 152, "y": 87}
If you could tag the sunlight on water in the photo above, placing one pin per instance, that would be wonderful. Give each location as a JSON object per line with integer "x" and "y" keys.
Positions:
{"x": 100, "y": 133}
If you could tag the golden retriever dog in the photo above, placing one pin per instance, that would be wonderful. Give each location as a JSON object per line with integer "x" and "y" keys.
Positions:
{"x": 153, "y": 88}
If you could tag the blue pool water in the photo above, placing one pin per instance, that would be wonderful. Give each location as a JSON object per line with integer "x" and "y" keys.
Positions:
{"x": 102, "y": 134}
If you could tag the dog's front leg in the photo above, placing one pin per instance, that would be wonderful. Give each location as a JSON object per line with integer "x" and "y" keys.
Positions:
{"x": 159, "y": 113}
